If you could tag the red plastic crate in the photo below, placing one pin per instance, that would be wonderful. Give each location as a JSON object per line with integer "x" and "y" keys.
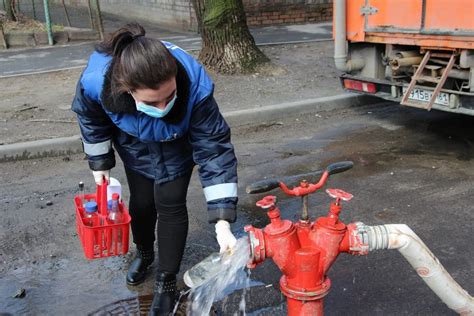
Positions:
{"x": 105, "y": 239}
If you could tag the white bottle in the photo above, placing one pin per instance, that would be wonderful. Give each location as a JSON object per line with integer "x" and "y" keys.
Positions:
{"x": 113, "y": 187}
{"x": 207, "y": 269}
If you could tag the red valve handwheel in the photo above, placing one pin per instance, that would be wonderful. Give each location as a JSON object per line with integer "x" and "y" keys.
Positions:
{"x": 339, "y": 194}
{"x": 267, "y": 202}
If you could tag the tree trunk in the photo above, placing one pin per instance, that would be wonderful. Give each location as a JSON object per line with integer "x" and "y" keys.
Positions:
{"x": 227, "y": 45}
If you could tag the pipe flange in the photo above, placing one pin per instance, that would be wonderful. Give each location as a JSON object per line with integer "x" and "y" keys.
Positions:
{"x": 310, "y": 294}
{"x": 257, "y": 246}
{"x": 358, "y": 240}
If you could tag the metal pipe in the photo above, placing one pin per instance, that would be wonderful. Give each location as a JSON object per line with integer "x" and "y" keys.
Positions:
{"x": 48, "y": 22}
{"x": 66, "y": 14}
{"x": 396, "y": 63}
{"x": 304, "y": 214}
{"x": 428, "y": 267}
{"x": 407, "y": 53}
{"x": 34, "y": 9}
{"x": 90, "y": 14}
{"x": 459, "y": 74}
{"x": 98, "y": 14}
{"x": 340, "y": 42}
{"x": 3, "y": 43}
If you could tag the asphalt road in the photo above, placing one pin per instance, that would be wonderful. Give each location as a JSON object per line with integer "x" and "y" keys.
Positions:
{"x": 411, "y": 166}
{"x": 43, "y": 59}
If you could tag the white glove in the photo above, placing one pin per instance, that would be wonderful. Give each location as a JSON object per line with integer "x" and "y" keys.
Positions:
{"x": 99, "y": 176}
{"x": 224, "y": 236}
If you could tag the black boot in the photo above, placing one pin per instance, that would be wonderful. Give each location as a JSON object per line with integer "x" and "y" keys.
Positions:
{"x": 137, "y": 270}
{"x": 164, "y": 298}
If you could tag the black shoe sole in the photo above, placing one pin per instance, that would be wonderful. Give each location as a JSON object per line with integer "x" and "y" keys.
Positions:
{"x": 136, "y": 283}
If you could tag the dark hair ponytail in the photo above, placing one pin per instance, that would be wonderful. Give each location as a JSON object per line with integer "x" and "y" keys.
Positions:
{"x": 118, "y": 40}
{"x": 138, "y": 62}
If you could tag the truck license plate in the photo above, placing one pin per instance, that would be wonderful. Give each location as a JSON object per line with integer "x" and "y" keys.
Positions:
{"x": 425, "y": 96}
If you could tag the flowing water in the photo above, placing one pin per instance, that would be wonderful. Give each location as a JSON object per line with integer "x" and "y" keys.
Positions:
{"x": 230, "y": 270}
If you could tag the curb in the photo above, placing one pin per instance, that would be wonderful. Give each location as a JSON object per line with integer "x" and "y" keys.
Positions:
{"x": 272, "y": 112}
{"x": 73, "y": 144}
{"x": 41, "y": 148}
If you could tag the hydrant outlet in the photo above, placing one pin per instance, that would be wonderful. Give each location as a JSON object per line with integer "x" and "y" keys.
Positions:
{"x": 257, "y": 246}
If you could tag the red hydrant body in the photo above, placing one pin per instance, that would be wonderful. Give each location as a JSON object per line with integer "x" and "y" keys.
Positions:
{"x": 303, "y": 251}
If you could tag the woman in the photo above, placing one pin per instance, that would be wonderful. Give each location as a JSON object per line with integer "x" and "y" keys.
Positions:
{"x": 155, "y": 103}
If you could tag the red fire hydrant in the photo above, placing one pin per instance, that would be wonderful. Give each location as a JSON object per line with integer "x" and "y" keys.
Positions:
{"x": 304, "y": 251}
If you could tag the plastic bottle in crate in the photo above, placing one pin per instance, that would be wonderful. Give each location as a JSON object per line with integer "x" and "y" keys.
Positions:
{"x": 91, "y": 218}
{"x": 81, "y": 192}
{"x": 115, "y": 215}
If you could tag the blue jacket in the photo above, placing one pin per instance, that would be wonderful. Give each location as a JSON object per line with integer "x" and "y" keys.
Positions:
{"x": 161, "y": 149}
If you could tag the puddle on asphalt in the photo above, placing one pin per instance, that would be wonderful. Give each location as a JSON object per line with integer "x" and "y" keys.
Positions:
{"x": 231, "y": 279}
{"x": 140, "y": 305}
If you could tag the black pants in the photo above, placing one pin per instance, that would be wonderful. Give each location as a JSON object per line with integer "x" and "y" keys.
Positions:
{"x": 167, "y": 202}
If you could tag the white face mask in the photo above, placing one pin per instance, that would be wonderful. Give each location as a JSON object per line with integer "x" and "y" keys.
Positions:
{"x": 154, "y": 111}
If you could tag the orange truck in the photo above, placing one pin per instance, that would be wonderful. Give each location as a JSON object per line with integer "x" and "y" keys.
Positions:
{"x": 416, "y": 52}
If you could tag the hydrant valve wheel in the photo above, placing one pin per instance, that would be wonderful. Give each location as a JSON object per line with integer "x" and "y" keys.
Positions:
{"x": 267, "y": 202}
{"x": 339, "y": 194}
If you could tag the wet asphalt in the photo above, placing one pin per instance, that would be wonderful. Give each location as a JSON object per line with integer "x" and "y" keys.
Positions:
{"x": 410, "y": 166}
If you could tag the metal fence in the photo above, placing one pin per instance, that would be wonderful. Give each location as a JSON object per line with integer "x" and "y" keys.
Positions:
{"x": 59, "y": 13}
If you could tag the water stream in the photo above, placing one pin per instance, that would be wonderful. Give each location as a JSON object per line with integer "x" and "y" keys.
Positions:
{"x": 230, "y": 273}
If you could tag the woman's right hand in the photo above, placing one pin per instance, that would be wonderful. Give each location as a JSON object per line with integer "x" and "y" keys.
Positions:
{"x": 224, "y": 236}
{"x": 100, "y": 175}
